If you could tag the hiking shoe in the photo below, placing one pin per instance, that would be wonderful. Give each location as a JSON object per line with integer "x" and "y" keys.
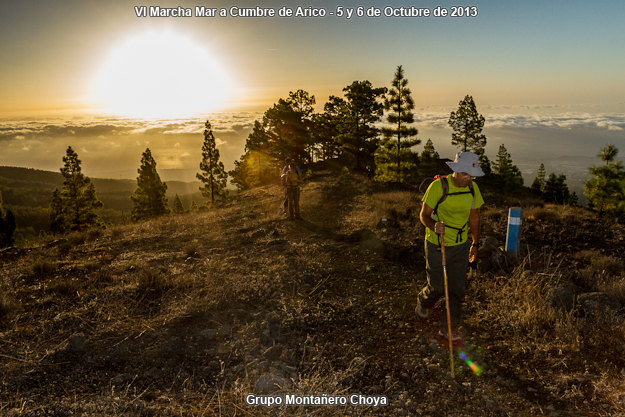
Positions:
{"x": 456, "y": 335}
{"x": 422, "y": 312}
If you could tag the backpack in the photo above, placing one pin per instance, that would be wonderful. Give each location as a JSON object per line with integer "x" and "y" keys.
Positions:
{"x": 424, "y": 186}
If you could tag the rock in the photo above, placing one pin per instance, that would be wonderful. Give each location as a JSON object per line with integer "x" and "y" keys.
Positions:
{"x": 598, "y": 305}
{"x": 121, "y": 380}
{"x": 489, "y": 246}
{"x": 367, "y": 239}
{"x": 561, "y": 299}
{"x": 209, "y": 334}
{"x": 271, "y": 382}
{"x": 77, "y": 344}
{"x": 490, "y": 256}
{"x": 174, "y": 347}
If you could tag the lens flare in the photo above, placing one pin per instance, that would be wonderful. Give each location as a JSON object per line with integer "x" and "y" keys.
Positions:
{"x": 477, "y": 369}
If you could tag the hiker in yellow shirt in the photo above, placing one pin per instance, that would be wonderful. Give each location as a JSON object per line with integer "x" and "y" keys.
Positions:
{"x": 450, "y": 211}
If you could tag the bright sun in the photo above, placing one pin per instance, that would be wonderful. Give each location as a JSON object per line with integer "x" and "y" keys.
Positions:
{"x": 160, "y": 75}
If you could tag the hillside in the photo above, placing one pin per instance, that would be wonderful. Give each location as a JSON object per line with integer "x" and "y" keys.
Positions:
{"x": 27, "y": 192}
{"x": 188, "y": 314}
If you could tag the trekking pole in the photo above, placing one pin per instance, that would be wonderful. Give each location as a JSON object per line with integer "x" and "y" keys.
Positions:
{"x": 451, "y": 346}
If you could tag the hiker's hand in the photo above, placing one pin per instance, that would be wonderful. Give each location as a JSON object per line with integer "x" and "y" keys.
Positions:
{"x": 473, "y": 254}
{"x": 439, "y": 227}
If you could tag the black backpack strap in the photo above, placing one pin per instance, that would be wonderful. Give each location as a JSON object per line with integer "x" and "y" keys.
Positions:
{"x": 446, "y": 193}
{"x": 445, "y": 186}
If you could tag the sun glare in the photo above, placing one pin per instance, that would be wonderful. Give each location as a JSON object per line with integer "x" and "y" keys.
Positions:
{"x": 160, "y": 75}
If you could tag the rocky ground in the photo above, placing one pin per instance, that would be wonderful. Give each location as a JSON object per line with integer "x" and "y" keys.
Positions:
{"x": 189, "y": 314}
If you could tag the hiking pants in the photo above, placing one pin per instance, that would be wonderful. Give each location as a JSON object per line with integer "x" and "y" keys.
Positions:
{"x": 285, "y": 200}
{"x": 293, "y": 200}
{"x": 457, "y": 258}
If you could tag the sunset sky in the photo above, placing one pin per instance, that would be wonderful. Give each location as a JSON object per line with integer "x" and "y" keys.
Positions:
{"x": 84, "y": 64}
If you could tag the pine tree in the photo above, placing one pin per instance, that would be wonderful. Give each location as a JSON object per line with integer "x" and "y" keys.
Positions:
{"x": 508, "y": 175}
{"x": 394, "y": 158}
{"x": 556, "y": 190}
{"x": 243, "y": 175}
{"x": 467, "y": 125}
{"x": 178, "y": 207}
{"x": 608, "y": 154}
{"x": 149, "y": 199}
{"x": 74, "y": 206}
{"x": 212, "y": 174}
{"x": 354, "y": 120}
{"x": 429, "y": 153}
{"x": 256, "y": 147}
{"x": 428, "y": 164}
{"x": 539, "y": 182}
{"x": 288, "y": 124}
{"x": 7, "y": 226}
{"x": 606, "y": 189}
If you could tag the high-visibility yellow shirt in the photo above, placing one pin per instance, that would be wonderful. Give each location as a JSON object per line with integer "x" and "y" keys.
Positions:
{"x": 454, "y": 211}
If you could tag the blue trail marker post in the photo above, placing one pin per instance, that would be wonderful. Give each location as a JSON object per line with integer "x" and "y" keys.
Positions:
{"x": 514, "y": 231}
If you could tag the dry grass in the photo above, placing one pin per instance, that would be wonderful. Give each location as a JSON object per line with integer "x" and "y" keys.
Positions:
{"x": 185, "y": 315}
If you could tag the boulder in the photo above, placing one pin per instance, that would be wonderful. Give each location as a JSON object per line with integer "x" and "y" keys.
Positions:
{"x": 270, "y": 382}
{"x": 490, "y": 256}
{"x": 561, "y": 299}
{"x": 598, "y": 305}
{"x": 367, "y": 240}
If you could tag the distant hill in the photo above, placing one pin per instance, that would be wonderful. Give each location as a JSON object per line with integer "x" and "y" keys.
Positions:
{"x": 28, "y": 191}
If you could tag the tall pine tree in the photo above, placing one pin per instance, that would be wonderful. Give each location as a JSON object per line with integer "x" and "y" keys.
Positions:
{"x": 178, "y": 207}
{"x": 508, "y": 175}
{"x": 467, "y": 125}
{"x": 539, "y": 182}
{"x": 606, "y": 189}
{"x": 149, "y": 199}
{"x": 357, "y": 116}
{"x": 394, "y": 159}
{"x": 74, "y": 206}
{"x": 556, "y": 190}
{"x": 428, "y": 164}
{"x": 212, "y": 174}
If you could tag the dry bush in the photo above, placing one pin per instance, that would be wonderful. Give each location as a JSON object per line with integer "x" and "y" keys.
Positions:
{"x": 601, "y": 272}
{"x": 6, "y": 306}
{"x": 546, "y": 213}
{"x": 42, "y": 269}
{"x": 517, "y": 301}
{"x": 116, "y": 232}
{"x": 94, "y": 234}
{"x": 65, "y": 247}
{"x": 77, "y": 238}
{"x": 101, "y": 276}
{"x": 614, "y": 286}
{"x": 152, "y": 282}
{"x": 65, "y": 286}
{"x": 191, "y": 250}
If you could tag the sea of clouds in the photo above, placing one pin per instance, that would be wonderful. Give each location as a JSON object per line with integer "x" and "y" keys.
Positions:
{"x": 111, "y": 146}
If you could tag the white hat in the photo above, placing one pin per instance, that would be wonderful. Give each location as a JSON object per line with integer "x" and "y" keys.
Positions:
{"x": 466, "y": 162}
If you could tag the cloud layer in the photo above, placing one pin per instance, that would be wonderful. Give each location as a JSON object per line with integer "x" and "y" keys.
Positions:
{"x": 112, "y": 147}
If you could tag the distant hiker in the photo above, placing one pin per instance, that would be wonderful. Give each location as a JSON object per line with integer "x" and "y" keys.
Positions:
{"x": 292, "y": 179}
{"x": 285, "y": 201}
{"x": 450, "y": 211}
{"x": 369, "y": 173}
